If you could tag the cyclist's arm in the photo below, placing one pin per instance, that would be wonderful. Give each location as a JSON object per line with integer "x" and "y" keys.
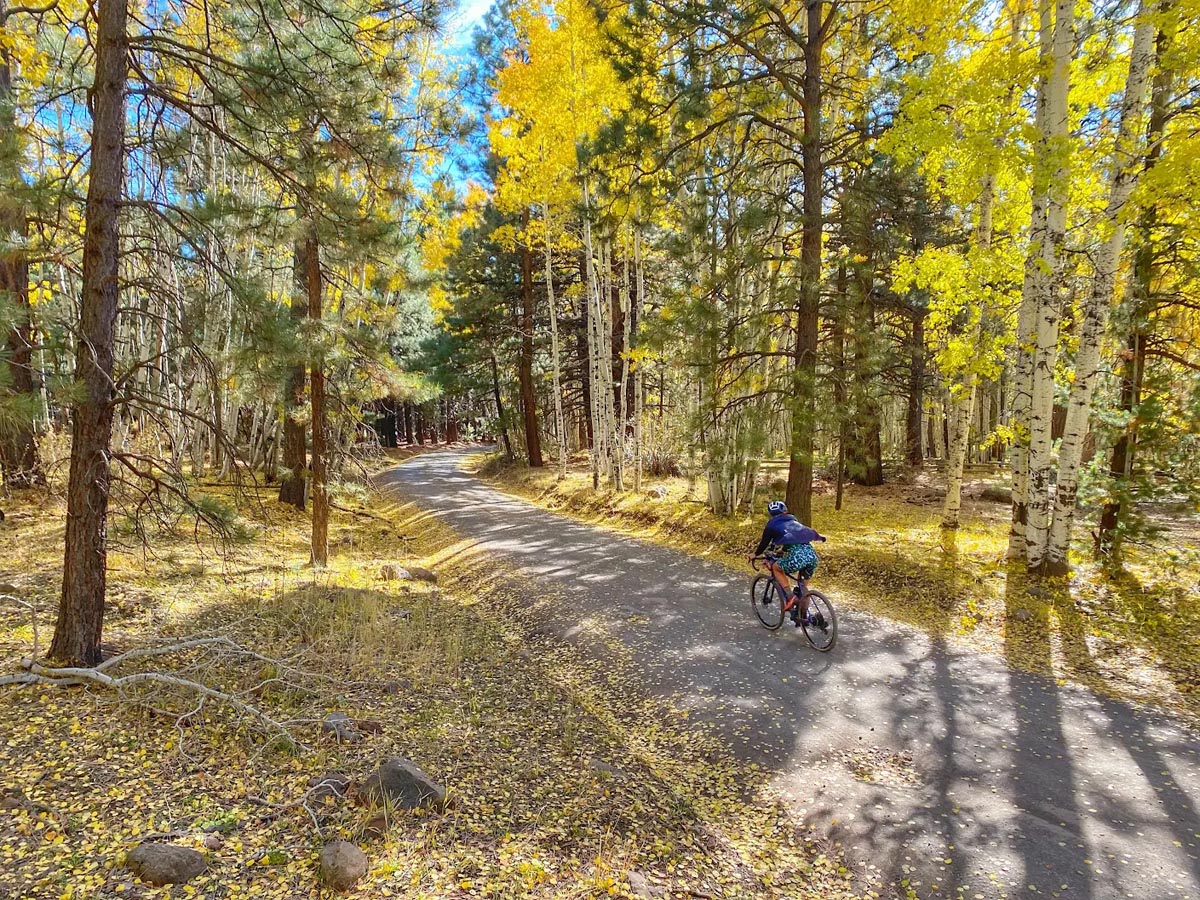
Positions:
{"x": 765, "y": 542}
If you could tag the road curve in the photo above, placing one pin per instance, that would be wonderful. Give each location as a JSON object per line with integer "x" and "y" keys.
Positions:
{"x": 987, "y": 781}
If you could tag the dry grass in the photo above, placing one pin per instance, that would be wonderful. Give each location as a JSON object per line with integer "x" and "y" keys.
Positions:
{"x": 514, "y": 730}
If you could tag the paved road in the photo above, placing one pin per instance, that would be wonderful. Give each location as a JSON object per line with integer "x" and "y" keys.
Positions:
{"x": 1016, "y": 787}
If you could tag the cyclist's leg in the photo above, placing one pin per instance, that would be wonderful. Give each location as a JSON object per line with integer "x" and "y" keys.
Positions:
{"x": 780, "y": 576}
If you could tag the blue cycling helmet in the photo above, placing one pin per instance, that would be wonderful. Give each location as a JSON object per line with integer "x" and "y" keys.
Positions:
{"x": 776, "y": 508}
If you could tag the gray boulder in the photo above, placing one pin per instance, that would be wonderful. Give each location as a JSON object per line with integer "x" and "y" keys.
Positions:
{"x": 160, "y": 864}
{"x": 342, "y": 865}
{"x": 401, "y": 783}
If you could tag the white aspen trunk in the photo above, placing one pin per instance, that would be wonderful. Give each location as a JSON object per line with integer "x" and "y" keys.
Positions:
{"x": 962, "y": 395}
{"x": 556, "y": 366}
{"x": 1126, "y": 155}
{"x": 606, "y": 324}
{"x": 638, "y": 384}
{"x": 1027, "y": 313}
{"x": 623, "y": 393}
{"x": 961, "y": 410}
{"x": 1053, "y": 151}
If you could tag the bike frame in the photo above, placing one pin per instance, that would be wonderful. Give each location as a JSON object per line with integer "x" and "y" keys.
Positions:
{"x": 801, "y": 585}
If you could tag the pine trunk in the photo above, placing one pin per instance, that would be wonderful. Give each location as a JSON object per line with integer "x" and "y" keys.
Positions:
{"x": 914, "y": 453}
{"x": 500, "y": 417}
{"x": 533, "y": 440}
{"x": 293, "y": 489}
{"x": 560, "y": 429}
{"x": 804, "y": 372}
{"x": 81, "y": 609}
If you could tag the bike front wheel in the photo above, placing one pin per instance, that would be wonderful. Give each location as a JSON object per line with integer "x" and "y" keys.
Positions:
{"x": 820, "y": 627}
{"x": 767, "y": 602}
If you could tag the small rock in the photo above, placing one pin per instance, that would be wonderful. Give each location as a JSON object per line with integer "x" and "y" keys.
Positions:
{"x": 1022, "y": 614}
{"x": 331, "y": 786}
{"x": 369, "y": 726}
{"x": 213, "y": 842}
{"x": 422, "y": 574}
{"x": 596, "y": 764}
{"x": 393, "y": 687}
{"x": 342, "y": 864}
{"x": 640, "y": 886}
{"x": 393, "y": 572}
{"x": 401, "y": 782}
{"x": 342, "y": 727}
{"x": 11, "y": 801}
{"x": 160, "y": 864}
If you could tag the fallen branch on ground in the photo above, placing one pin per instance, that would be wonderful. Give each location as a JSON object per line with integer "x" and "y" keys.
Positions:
{"x": 99, "y": 675}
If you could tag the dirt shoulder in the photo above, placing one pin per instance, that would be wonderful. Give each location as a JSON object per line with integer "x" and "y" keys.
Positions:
{"x": 557, "y": 788}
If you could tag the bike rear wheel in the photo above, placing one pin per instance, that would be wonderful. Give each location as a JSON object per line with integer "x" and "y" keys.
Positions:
{"x": 821, "y": 634}
{"x": 767, "y": 602}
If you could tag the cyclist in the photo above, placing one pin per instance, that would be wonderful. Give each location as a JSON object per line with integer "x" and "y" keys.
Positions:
{"x": 798, "y": 558}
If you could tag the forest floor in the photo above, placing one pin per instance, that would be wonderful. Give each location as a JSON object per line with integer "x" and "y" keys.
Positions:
{"x": 555, "y": 789}
{"x": 1132, "y": 634}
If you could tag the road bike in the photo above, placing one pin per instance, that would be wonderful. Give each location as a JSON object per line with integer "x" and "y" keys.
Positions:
{"x": 773, "y": 601}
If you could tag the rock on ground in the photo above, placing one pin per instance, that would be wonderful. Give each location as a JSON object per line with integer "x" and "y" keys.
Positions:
{"x": 596, "y": 764}
{"x": 393, "y": 572}
{"x": 423, "y": 574}
{"x": 342, "y": 864}
{"x": 400, "y": 782}
{"x": 342, "y": 727}
{"x": 640, "y": 886}
{"x": 160, "y": 864}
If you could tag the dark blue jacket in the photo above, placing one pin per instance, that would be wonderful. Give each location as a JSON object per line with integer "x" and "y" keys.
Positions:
{"x": 786, "y": 530}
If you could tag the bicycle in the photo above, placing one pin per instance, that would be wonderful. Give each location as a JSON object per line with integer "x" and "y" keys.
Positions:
{"x": 772, "y": 602}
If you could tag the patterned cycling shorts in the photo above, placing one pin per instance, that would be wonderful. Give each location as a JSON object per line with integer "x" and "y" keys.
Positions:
{"x": 800, "y": 560}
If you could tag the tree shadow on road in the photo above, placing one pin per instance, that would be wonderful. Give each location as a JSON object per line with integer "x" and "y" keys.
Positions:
{"x": 942, "y": 765}
{"x": 1049, "y": 807}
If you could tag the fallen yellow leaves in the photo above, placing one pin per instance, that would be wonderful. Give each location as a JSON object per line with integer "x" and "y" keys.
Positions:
{"x": 512, "y": 728}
